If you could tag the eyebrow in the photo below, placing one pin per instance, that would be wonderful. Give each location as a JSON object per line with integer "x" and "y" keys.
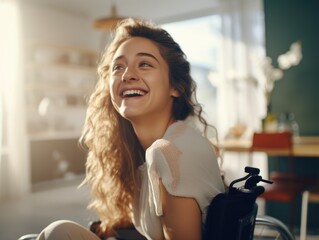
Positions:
{"x": 139, "y": 54}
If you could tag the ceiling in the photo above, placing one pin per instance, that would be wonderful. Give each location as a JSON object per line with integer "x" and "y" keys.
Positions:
{"x": 160, "y": 11}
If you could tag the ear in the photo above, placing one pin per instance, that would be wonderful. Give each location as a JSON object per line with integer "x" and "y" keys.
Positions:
{"x": 175, "y": 93}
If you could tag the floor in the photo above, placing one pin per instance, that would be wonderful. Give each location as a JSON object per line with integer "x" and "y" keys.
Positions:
{"x": 59, "y": 200}
{"x": 35, "y": 211}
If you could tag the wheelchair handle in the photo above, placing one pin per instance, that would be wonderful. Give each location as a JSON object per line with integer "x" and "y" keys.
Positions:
{"x": 252, "y": 170}
{"x": 252, "y": 178}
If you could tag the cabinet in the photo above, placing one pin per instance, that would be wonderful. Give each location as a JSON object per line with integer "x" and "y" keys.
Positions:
{"x": 56, "y": 159}
{"x": 59, "y": 80}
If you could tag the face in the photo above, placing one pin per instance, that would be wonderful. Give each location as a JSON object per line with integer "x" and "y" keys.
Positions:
{"x": 139, "y": 81}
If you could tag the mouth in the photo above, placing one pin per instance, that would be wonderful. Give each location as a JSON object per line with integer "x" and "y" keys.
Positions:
{"x": 133, "y": 93}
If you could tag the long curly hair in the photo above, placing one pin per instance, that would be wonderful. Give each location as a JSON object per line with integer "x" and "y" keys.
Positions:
{"x": 114, "y": 151}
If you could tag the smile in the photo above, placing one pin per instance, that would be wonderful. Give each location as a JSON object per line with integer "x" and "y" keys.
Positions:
{"x": 133, "y": 93}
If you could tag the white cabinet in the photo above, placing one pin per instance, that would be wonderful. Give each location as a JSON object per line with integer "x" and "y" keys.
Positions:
{"x": 59, "y": 82}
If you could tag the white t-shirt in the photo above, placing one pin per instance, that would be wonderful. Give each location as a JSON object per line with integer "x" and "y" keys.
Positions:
{"x": 185, "y": 162}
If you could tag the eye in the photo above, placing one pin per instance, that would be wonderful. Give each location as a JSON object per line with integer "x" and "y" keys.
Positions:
{"x": 117, "y": 67}
{"x": 145, "y": 64}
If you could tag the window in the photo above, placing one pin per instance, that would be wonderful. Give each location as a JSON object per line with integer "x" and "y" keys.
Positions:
{"x": 13, "y": 156}
{"x": 199, "y": 38}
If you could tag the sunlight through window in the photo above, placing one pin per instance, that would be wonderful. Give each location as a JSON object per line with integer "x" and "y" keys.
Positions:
{"x": 9, "y": 41}
{"x": 200, "y": 39}
{"x": 9, "y": 66}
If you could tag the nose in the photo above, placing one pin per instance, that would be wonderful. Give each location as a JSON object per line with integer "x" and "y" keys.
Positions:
{"x": 128, "y": 75}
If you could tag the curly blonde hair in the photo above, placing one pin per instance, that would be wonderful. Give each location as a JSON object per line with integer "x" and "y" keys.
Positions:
{"x": 114, "y": 151}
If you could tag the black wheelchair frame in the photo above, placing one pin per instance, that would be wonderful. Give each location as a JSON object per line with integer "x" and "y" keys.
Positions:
{"x": 233, "y": 214}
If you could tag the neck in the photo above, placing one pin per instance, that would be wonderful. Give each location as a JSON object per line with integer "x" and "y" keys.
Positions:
{"x": 151, "y": 130}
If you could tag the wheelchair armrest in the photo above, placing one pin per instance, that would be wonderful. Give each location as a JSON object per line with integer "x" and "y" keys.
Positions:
{"x": 32, "y": 236}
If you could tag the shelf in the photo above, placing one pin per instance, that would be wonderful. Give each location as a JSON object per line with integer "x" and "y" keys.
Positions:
{"x": 55, "y": 135}
{"x": 65, "y": 68}
{"x": 62, "y": 110}
{"x": 59, "y": 79}
{"x": 59, "y": 89}
{"x": 74, "y": 180}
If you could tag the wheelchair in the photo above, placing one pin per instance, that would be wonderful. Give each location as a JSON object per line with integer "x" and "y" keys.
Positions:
{"x": 233, "y": 215}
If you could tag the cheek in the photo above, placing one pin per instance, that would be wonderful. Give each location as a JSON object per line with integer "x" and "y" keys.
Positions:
{"x": 112, "y": 87}
{"x": 113, "y": 94}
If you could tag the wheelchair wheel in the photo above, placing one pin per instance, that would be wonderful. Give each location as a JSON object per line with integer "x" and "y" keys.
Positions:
{"x": 267, "y": 228}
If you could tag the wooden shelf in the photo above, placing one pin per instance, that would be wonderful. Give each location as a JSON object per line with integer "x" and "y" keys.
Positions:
{"x": 59, "y": 89}
{"x": 54, "y": 135}
{"x": 65, "y": 68}
{"x": 59, "y": 80}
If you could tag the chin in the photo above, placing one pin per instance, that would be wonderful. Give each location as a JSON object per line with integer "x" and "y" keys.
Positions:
{"x": 129, "y": 116}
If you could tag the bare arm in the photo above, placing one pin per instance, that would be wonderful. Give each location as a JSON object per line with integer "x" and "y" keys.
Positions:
{"x": 181, "y": 218}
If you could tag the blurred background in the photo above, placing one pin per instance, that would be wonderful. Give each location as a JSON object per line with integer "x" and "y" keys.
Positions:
{"x": 48, "y": 59}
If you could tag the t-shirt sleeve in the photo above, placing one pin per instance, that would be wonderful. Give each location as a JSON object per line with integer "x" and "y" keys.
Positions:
{"x": 181, "y": 174}
{"x": 162, "y": 161}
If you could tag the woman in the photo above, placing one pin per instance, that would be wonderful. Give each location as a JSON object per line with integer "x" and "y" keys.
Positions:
{"x": 146, "y": 164}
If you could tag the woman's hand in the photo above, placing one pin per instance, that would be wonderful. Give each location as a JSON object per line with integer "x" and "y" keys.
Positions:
{"x": 95, "y": 227}
{"x": 181, "y": 218}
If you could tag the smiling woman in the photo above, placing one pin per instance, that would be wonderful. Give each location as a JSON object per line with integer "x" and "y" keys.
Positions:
{"x": 148, "y": 165}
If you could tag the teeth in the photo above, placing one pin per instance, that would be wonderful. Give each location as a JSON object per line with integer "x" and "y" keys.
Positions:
{"x": 133, "y": 92}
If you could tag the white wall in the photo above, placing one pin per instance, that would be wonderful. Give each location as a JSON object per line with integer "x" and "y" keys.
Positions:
{"x": 43, "y": 24}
